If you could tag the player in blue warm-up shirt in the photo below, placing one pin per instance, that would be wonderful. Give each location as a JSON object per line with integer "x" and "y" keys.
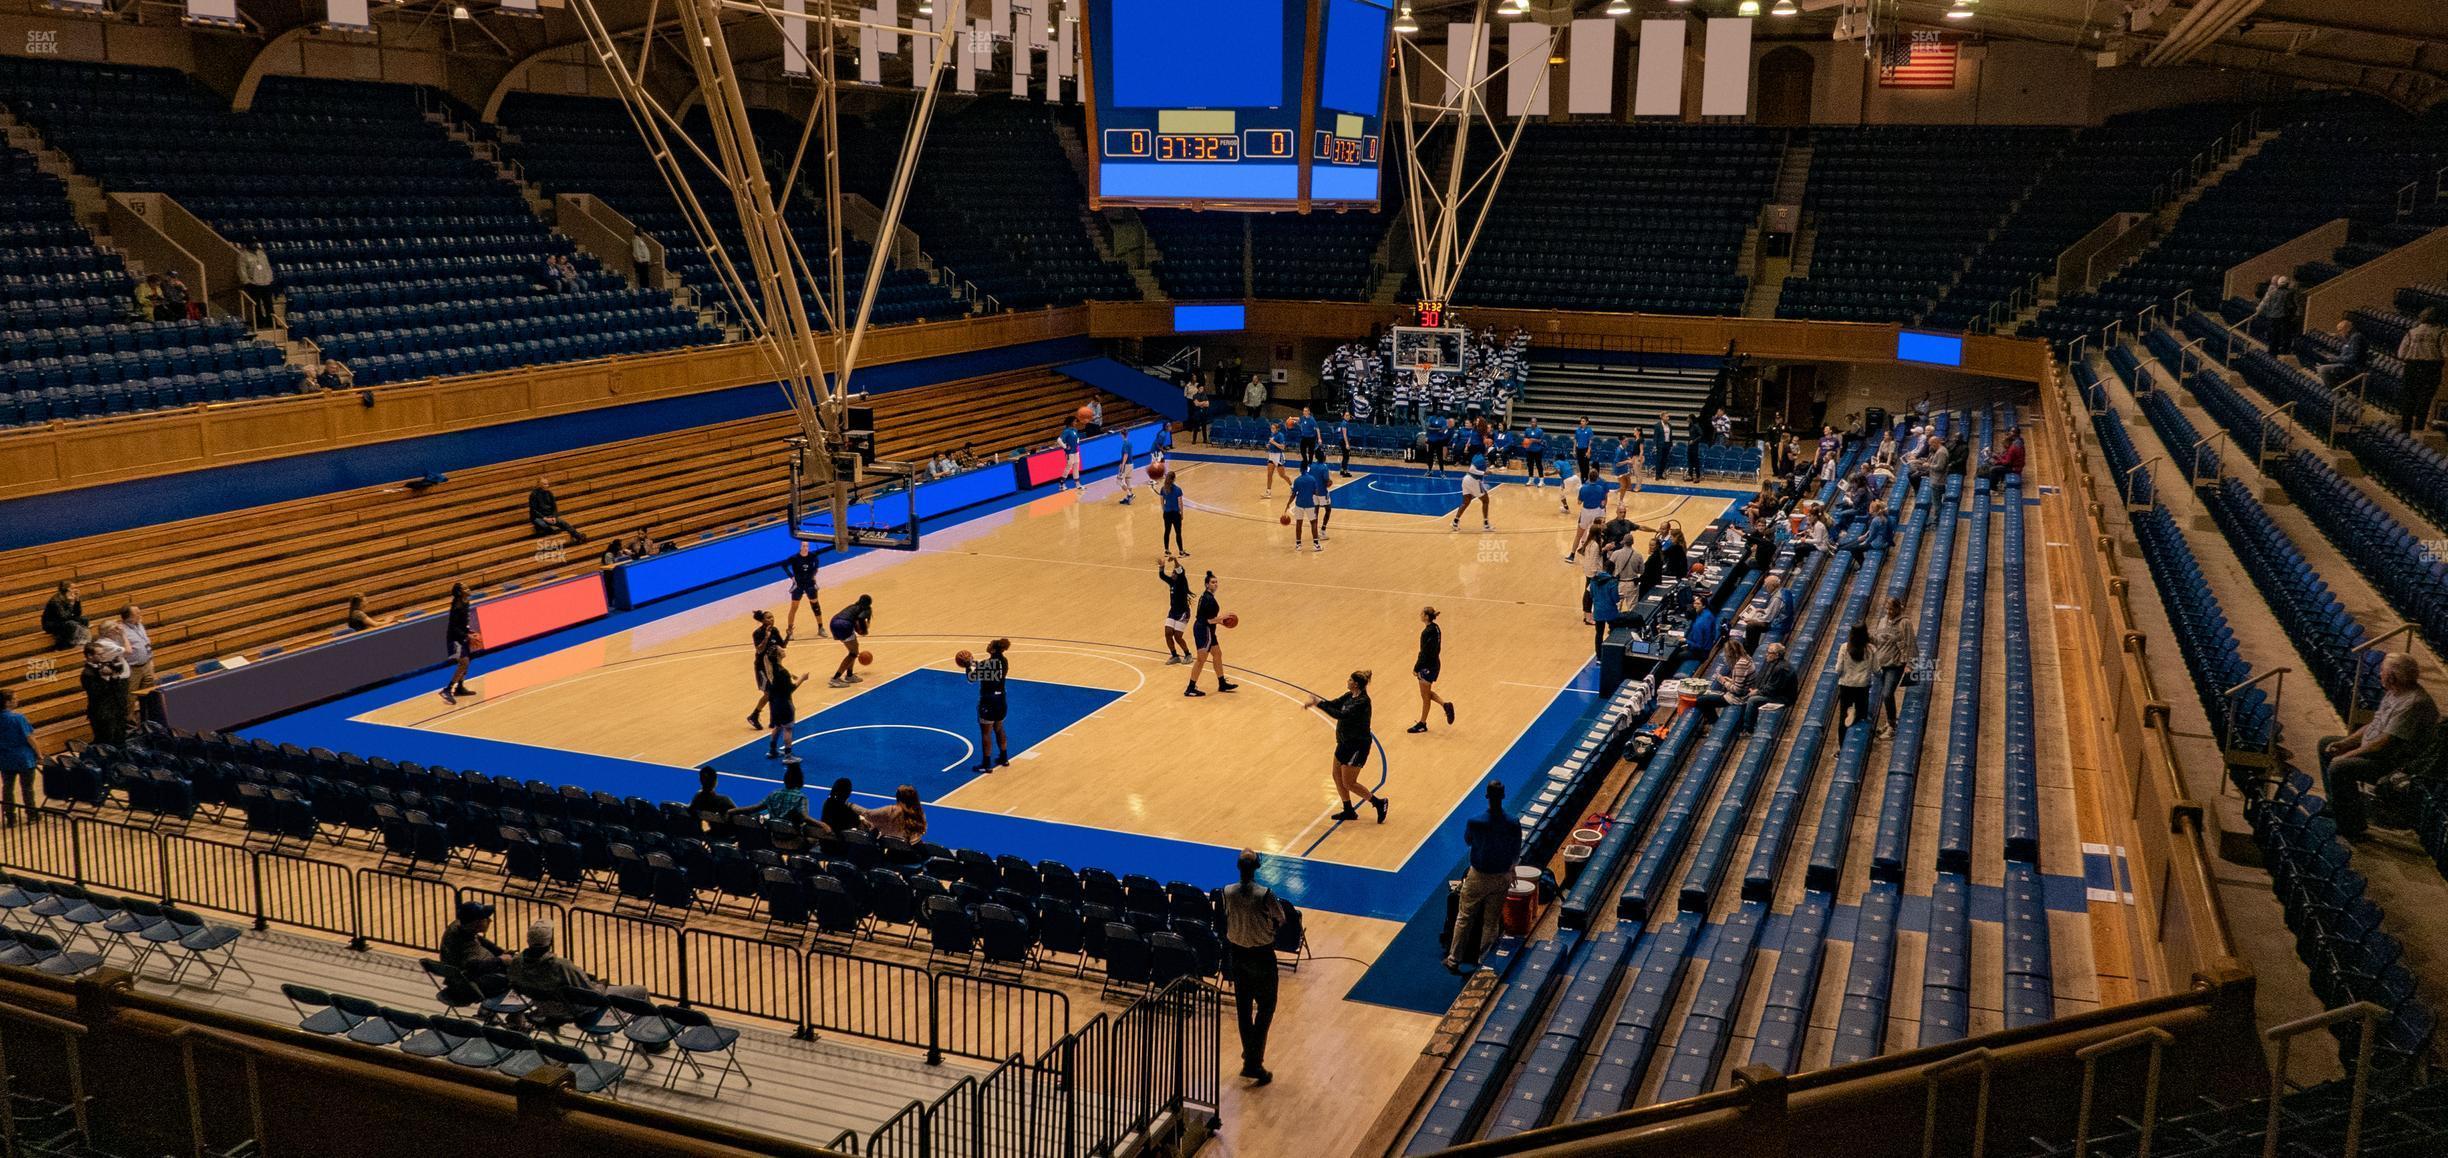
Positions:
{"x": 1341, "y": 436}
{"x": 1534, "y": 453}
{"x": 1302, "y": 506}
{"x": 1274, "y": 455}
{"x": 1582, "y": 437}
{"x": 1474, "y": 486}
{"x": 1070, "y": 446}
{"x": 1325, "y": 495}
{"x": 1306, "y": 426}
{"x": 1593, "y": 496}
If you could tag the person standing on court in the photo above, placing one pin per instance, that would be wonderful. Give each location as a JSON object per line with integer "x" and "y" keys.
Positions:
{"x": 1350, "y": 712}
{"x": 1252, "y": 918}
{"x": 852, "y": 622}
{"x": 1169, "y": 501}
{"x": 1306, "y": 426}
{"x": 989, "y": 674}
{"x": 1070, "y": 439}
{"x": 1494, "y": 841}
{"x": 1428, "y": 666}
{"x": 1582, "y": 437}
{"x": 802, "y": 567}
{"x": 17, "y": 761}
{"x": 458, "y": 643}
{"x": 780, "y": 688}
{"x": 760, "y": 640}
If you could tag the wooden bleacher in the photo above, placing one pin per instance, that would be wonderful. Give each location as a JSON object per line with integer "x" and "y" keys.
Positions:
{"x": 280, "y": 575}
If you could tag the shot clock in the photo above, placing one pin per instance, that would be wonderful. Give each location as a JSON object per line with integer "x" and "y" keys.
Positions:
{"x": 1237, "y": 104}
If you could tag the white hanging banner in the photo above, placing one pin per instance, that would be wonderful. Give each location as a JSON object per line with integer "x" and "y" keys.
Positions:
{"x": 221, "y": 10}
{"x": 1590, "y": 72}
{"x": 1526, "y": 67}
{"x": 794, "y": 38}
{"x": 922, "y": 48}
{"x": 1657, "y": 89}
{"x": 1725, "y": 76}
{"x": 870, "y": 47}
{"x": 338, "y": 14}
{"x": 964, "y": 49}
{"x": 522, "y": 7}
{"x": 1022, "y": 60}
{"x": 1058, "y": 65}
{"x": 1466, "y": 53}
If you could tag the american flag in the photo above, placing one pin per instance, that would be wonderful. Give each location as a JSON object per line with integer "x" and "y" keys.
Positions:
{"x": 1923, "y": 60}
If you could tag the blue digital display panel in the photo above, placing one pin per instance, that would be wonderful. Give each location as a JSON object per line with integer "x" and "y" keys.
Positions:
{"x": 1197, "y": 102}
{"x": 1347, "y": 148}
{"x": 1208, "y": 319}
{"x": 1935, "y": 349}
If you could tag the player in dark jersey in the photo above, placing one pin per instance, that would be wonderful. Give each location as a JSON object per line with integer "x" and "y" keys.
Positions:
{"x": 759, "y": 640}
{"x": 994, "y": 748}
{"x": 780, "y": 689}
{"x": 458, "y": 643}
{"x": 857, "y": 620}
{"x": 1177, "y": 609}
{"x": 1428, "y": 666}
{"x": 1203, "y": 636}
{"x": 801, "y": 568}
{"x": 1350, "y": 712}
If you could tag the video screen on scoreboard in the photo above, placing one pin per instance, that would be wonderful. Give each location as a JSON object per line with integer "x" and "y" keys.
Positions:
{"x": 1348, "y": 143}
{"x": 1197, "y": 100}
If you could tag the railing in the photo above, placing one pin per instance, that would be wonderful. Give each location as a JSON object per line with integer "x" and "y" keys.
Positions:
{"x": 2157, "y": 1040}
{"x": 2284, "y": 1037}
{"x": 1979, "y": 1059}
{"x": 2236, "y": 755}
{"x": 2354, "y": 713}
{"x": 811, "y": 990}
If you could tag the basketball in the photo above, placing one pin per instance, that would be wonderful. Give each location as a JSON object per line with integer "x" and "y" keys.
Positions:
{"x": 866, "y": 657}
{"x": 1231, "y": 619}
{"x": 1286, "y": 520}
{"x": 1084, "y": 415}
{"x": 964, "y": 659}
{"x": 1155, "y": 472}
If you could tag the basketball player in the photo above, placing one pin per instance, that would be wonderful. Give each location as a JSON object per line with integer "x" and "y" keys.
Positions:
{"x": 988, "y": 674}
{"x": 1274, "y": 454}
{"x": 1627, "y": 460}
{"x": 1534, "y": 453}
{"x": 1210, "y": 647}
{"x": 1070, "y": 446}
{"x": 1177, "y": 609}
{"x": 1127, "y": 476}
{"x": 1325, "y": 496}
{"x": 1593, "y": 496}
{"x": 1568, "y": 475}
{"x": 857, "y": 620}
{"x": 1350, "y": 712}
{"x": 1430, "y": 663}
{"x": 458, "y": 643}
{"x": 802, "y": 569}
{"x": 1342, "y": 440}
{"x": 1169, "y": 498}
{"x": 780, "y": 687}
{"x": 1474, "y": 486}
{"x": 1302, "y": 506}
{"x": 1582, "y": 436}
{"x": 759, "y": 641}
{"x": 1306, "y": 428}
{"x": 1162, "y": 446}
{"x": 1440, "y": 432}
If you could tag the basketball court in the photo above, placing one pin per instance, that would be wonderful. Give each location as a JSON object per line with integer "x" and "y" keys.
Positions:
{"x": 1112, "y": 765}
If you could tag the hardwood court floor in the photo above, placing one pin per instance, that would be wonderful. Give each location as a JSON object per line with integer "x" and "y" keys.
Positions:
{"x": 1070, "y": 578}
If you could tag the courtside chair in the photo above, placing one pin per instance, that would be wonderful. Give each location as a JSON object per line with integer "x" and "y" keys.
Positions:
{"x": 371, "y": 1027}
{"x": 891, "y": 901}
{"x": 1129, "y": 960}
{"x": 1005, "y": 938}
{"x": 316, "y": 1013}
{"x": 45, "y": 955}
{"x": 520, "y": 1053}
{"x": 500, "y": 1001}
{"x": 1060, "y": 930}
{"x": 18, "y": 896}
{"x": 786, "y": 908}
{"x": 451, "y": 986}
{"x": 646, "y": 1029}
{"x": 592, "y": 1018}
{"x": 128, "y": 926}
{"x": 700, "y": 1037}
{"x": 951, "y": 932}
{"x": 590, "y": 1075}
{"x": 475, "y": 1049}
{"x": 838, "y": 912}
{"x": 202, "y": 945}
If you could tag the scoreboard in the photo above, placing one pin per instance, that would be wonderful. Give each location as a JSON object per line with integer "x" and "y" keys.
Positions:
{"x": 1236, "y": 104}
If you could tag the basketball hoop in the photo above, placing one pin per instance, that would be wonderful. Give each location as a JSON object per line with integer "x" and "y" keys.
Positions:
{"x": 1419, "y": 374}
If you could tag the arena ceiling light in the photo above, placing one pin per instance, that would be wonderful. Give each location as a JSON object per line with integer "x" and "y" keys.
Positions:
{"x": 460, "y": 12}
{"x": 1784, "y": 8}
{"x": 1517, "y": 8}
{"x": 1404, "y": 23}
{"x": 926, "y": 7}
{"x": 1749, "y": 8}
{"x": 1961, "y": 11}
{"x": 1618, "y": 8}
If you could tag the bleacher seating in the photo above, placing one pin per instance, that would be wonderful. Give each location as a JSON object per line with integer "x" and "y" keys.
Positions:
{"x": 1641, "y": 217}
{"x": 276, "y": 576}
{"x": 1881, "y": 254}
{"x": 1323, "y": 255}
{"x": 581, "y": 145}
{"x": 353, "y": 192}
{"x": 2338, "y": 156}
{"x": 996, "y": 199}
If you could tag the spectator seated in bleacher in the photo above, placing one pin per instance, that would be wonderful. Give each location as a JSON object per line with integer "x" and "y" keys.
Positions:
{"x": 465, "y": 946}
{"x": 2398, "y": 730}
{"x": 543, "y": 976}
{"x": 64, "y": 617}
{"x": 2346, "y": 359}
{"x": 544, "y": 513}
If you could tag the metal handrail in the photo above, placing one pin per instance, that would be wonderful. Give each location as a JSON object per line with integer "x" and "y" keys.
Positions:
{"x": 2153, "y": 479}
{"x": 2354, "y": 684}
{"x": 2261, "y": 452}
{"x": 2284, "y": 1036}
{"x": 2277, "y": 697}
{"x": 2359, "y": 384}
{"x": 2154, "y": 1037}
{"x": 2184, "y": 352}
{"x": 2198, "y": 445}
{"x": 1980, "y": 1059}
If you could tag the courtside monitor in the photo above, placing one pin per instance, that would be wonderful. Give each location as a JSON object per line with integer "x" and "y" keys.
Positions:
{"x": 1216, "y": 319}
{"x": 1934, "y": 349}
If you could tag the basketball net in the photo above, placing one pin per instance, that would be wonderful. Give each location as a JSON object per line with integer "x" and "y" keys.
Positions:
{"x": 1419, "y": 374}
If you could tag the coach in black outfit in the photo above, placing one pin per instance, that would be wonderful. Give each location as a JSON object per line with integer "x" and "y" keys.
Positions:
{"x": 1252, "y": 918}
